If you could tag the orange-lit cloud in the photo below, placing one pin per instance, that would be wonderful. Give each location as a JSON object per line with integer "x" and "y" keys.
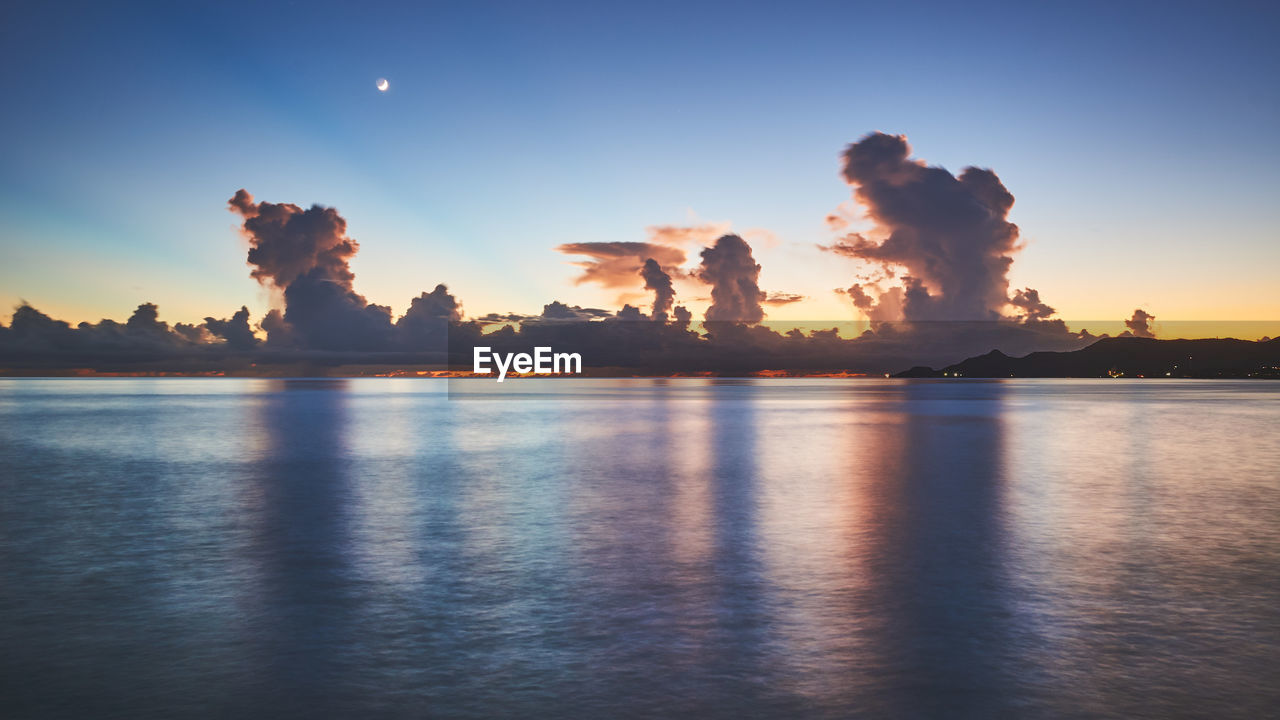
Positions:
{"x": 617, "y": 264}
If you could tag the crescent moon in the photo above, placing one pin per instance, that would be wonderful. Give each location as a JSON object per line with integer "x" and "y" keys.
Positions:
{"x": 383, "y": 85}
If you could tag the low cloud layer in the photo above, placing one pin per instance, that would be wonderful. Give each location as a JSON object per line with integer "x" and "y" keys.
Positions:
{"x": 781, "y": 298}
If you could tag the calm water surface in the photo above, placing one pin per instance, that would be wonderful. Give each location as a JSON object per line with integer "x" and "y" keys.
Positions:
{"x": 640, "y": 548}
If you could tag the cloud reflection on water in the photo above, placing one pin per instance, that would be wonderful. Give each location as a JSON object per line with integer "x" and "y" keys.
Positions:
{"x": 643, "y": 547}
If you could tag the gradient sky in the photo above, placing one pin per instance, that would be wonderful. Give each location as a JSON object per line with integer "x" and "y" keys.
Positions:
{"x": 1139, "y": 140}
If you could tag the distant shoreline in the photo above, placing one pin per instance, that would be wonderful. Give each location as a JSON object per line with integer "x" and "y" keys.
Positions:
{"x": 1120, "y": 357}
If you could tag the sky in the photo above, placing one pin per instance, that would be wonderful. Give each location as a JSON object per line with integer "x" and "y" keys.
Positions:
{"x": 1139, "y": 140}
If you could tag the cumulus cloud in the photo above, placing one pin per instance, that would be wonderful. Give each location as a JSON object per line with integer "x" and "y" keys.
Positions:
{"x": 659, "y": 263}
{"x": 950, "y": 234}
{"x": 32, "y": 330}
{"x": 277, "y": 330}
{"x": 1140, "y": 324}
{"x": 727, "y": 266}
{"x": 425, "y": 324}
{"x": 681, "y": 317}
{"x": 884, "y": 306}
{"x": 731, "y": 271}
{"x": 630, "y": 313}
{"x": 622, "y": 265}
{"x": 287, "y": 242}
{"x": 660, "y": 283}
{"x": 1033, "y": 309}
{"x": 306, "y": 253}
{"x": 235, "y": 331}
{"x": 34, "y": 338}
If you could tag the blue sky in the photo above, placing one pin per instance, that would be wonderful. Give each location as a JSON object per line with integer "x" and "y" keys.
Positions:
{"x": 1139, "y": 139}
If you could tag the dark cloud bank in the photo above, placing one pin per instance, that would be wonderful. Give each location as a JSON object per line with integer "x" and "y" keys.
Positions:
{"x": 938, "y": 293}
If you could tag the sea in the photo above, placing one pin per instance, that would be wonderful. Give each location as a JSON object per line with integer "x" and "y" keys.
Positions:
{"x": 639, "y": 548}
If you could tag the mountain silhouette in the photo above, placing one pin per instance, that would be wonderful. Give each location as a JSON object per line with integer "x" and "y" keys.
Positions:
{"x": 1126, "y": 357}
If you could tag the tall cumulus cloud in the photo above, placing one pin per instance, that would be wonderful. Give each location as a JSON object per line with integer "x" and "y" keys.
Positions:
{"x": 307, "y": 254}
{"x": 660, "y": 283}
{"x": 949, "y": 234}
{"x": 733, "y": 274}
